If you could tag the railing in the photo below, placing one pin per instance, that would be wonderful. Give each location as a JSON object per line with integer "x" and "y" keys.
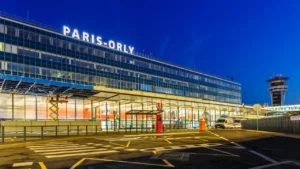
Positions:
{"x": 29, "y": 130}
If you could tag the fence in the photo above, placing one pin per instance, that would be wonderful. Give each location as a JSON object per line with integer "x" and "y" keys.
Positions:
{"x": 24, "y": 130}
{"x": 281, "y": 124}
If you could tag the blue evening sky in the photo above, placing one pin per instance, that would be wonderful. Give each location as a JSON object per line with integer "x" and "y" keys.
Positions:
{"x": 250, "y": 40}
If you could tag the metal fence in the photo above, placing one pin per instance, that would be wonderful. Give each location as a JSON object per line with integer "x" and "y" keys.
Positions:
{"x": 281, "y": 124}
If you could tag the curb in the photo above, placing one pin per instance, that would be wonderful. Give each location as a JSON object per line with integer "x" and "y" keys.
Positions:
{"x": 276, "y": 133}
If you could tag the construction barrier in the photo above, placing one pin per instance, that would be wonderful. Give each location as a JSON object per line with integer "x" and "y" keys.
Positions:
{"x": 202, "y": 125}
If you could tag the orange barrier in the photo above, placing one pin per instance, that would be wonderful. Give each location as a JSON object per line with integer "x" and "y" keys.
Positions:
{"x": 202, "y": 125}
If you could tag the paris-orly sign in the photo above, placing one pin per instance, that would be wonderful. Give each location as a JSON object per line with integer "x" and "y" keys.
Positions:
{"x": 85, "y": 36}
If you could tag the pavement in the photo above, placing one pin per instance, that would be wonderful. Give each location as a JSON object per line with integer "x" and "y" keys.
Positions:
{"x": 232, "y": 149}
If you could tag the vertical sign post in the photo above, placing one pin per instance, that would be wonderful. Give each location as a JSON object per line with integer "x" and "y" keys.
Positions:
{"x": 257, "y": 108}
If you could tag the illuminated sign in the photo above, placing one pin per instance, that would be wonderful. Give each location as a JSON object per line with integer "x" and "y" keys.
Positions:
{"x": 97, "y": 40}
{"x": 294, "y": 118}
{"x": 286, "y": 108}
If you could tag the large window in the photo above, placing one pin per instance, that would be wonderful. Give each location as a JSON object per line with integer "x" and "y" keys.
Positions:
{"x": 1, "y": 46}
{"x": 30, "y": 107}
{"x": 19, "y": 111}
{"x": 5, "y": 106}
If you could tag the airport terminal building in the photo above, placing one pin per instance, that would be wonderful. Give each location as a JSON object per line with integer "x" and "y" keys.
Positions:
{"x": 46, "y": 74}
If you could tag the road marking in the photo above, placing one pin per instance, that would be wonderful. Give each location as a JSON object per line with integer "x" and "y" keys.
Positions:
{"x": 163, "y": 134}
{"x": 42, "y": 165}
{"x": 170, "y": 148}
{"x": 22, "y": 164}
{"x": 51, "y": 150}
{"x": 276, "y": 164}
{"x": 57, "y": 147}
{"x": 82, "y": 154}
{"x": 228, "y": 140}
{"x": 254, "y": 152}
{"x": 131, "y": 149}
{"x": 224, "y": 138}
{"x": 77, "y": 164}
{"x": 206, "y": 154}
{"x": 129, "y": 162}
{"x": 168, "y": 141}
{"x": 128, "y": 144}
{"x": 117, "y": 148}
{"x": 75, "y": 151}
{"x": 117, "y": 144}
{"x": 263, "y": 156}
{"x": 238, "y": 145}
{"x": 221, "y": 151}
{"x": 168, "y": 163}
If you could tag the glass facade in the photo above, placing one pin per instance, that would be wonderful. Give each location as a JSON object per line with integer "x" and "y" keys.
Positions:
{"x": 34, "y": 52}
{"x": 28, "y": 107}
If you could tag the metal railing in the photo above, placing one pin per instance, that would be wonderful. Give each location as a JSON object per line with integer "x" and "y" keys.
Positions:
{"x": 50, "y": 131}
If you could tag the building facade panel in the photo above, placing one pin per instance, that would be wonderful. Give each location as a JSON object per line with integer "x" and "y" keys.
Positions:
{"x": 26, "y": 50}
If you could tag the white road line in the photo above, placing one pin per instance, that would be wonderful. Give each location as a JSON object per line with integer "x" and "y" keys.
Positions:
{"x": 175, "y": 147}
{"x": 51, "y": 150}
{"x": 164, "y": 134}
{"x": 41, "y": 147}
{"x": 82, "y": 154}
{"x": 238, "y": 145}
{"x": 224, "y": 138}
{"x": 75, "y": 151}
{"x": 22, "y": 164}
{"x": 131, "y": 149}
{"x": 55, "y": 145}
{"x": 276, "y": 164}
{"x": 229, "y": 141}
{"x": 263, "y": 156}
{"x": 58, "y": 148}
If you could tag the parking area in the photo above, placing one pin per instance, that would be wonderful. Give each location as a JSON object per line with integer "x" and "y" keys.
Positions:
{"x": 212, "y": 149}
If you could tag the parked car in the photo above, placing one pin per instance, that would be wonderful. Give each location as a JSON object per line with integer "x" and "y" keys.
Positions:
{"x": 224, "y": 123}
{"x": 237, "y": 123}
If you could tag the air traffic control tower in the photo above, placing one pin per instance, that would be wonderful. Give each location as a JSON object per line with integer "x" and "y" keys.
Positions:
{"x": 277, "y": 89}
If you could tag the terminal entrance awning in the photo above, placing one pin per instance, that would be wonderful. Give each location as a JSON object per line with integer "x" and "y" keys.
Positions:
{"x": 36, "y": 86}
{"x": 143, "y": 112}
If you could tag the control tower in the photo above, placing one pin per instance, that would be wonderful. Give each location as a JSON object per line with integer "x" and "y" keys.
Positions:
{"x": 277, "y": 89}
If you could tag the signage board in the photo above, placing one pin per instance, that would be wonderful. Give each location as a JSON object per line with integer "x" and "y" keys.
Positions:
{"x": 294, "y": 118}
{"x": 257, "y": 107}
{"x": 85, "y": 36}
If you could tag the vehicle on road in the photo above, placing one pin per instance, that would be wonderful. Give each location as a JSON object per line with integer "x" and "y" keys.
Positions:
{"x": 224, "y": 123}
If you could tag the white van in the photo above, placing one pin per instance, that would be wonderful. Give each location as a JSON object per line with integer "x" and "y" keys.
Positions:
{"x": 224, "y": 123}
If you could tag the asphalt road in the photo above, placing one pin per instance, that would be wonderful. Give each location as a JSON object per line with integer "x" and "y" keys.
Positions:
{"x": 232, "y": 149}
